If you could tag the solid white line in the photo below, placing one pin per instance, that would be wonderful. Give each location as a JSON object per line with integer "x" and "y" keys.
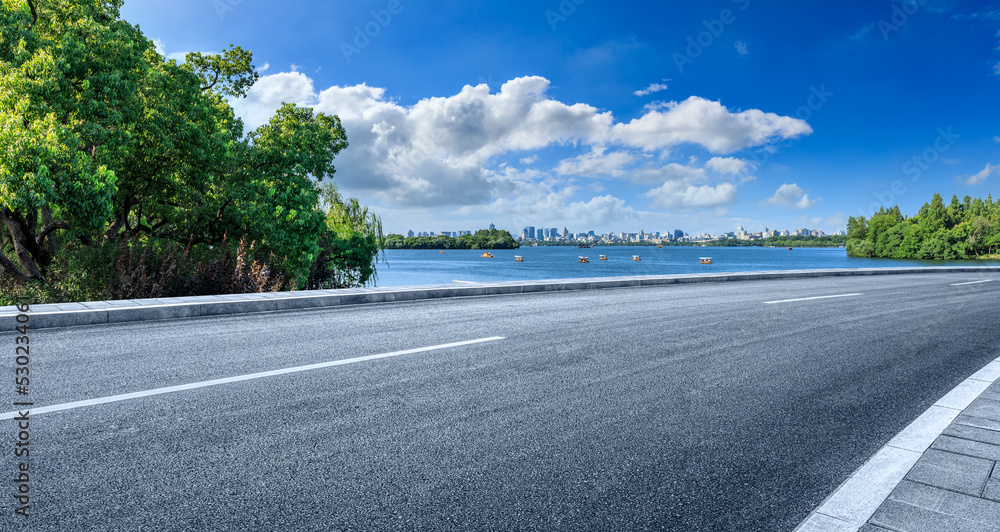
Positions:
{"x": 856, "y": 500}
{"x": 973, "y": 282}
{"x": 228, "y": 380}
{"x": 809, "y": 298}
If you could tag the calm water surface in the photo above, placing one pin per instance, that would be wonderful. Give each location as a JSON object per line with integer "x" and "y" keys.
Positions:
{"x": 417, "y": 267}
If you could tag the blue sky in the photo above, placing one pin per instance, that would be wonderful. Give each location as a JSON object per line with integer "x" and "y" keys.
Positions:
{"x": 596, "y": 116}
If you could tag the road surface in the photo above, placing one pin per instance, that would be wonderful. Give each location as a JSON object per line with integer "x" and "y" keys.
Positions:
{"x": 730, "y": 406}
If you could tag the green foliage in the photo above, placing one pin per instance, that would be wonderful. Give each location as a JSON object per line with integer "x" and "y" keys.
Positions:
{"x": 105, "y": 141}
{"x": 148, "y": 268}
{"x": 967, "y": 229}
{"x": 350, "y": 247}
{"x": 482, "y": 239}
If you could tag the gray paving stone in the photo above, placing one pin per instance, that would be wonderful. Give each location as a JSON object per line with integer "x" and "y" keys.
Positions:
{"x": 986, "y": 408}
{"x": 947, "y": 502}
{"x": 951, "y": 471}
{"x": 967, "y": 447}
{"x": 980, "y": 422}
{"x": 872, "y": 528}
{"x": 965, "y": 432}
{"x": 988, "y": 394}
{"x": 992, "y": 491}
{"x": 896, "y": 515}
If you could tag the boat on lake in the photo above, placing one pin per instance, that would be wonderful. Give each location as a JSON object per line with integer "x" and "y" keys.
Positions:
{"x": 636, "y": 258}
{"x": 518, "y": 258}
{"x": 604, "y": 257}
{"x": 487, "y": 255}
{"x": 585, "y": 260}
{"x": 706, "y": 260}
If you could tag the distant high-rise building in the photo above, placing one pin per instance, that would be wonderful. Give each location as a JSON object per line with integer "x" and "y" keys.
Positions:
{"x": 492, "y": 227}
{"x": 565, "y": 232}
{"x": 409, "y": 234}
{"x": 678, "y": 234}
{"x": 530, "y": 232}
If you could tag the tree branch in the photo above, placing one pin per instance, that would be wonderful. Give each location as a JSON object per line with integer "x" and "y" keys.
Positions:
{"x": 50, "y": 226}
{"x": 34, "y": 13}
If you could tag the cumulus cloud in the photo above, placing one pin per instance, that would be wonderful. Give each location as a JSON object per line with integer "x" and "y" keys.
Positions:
{"x": 530, "y": 160}
{"x": 709, "y": 124}
{"x": 678, "y": 195}
{"x": 652, "y": 88}
{"x": 981, "y": 176}
{"x": 597, "y": 163}
{"x": 442, "y": 151}
{"x": 726, "y": 165}
{"x": 791, "y": 196}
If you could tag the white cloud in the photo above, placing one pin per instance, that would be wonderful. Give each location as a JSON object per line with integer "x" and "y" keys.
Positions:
{"x": 267, "y": 95}
{"x": 441, "y": 150}
{"x": 741, "y": 48}
{"x": 264, "y": 68}
{"x": 597, "y": 163}
{"x": 710, "y": 124}
{"x": 671, "y": 172}
{"x": 678, "y": 195}
{"x": 726, "y": 165}
{"x": 981, "y": 176}
{"x": 652, "y": 88}
{"x": 861, "y": 32}
{"x": 791, "y": 196}
{"x": 159, "y": 46}
{"x": 996, "y": 139}
{"x": 530, "y": 160}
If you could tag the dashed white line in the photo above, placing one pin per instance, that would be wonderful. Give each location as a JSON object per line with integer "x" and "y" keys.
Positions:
{"x": 973, "y": 282}
{"x": 240, "y": 378}
{"x": 809, "y": 298}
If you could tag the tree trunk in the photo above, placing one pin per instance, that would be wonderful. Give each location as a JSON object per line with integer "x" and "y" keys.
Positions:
{"x": 25, "y": 248}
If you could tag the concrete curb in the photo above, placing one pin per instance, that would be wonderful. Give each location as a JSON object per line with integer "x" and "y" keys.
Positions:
{"x": 850, "y": 507}
{"x": 104, "y": 312}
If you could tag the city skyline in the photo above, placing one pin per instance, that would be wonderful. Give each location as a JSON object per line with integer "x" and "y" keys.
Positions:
{"x": 555, "y": 234}
{"x": 693, "y": 115}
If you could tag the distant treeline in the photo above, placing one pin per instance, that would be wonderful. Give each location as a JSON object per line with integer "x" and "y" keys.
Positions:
{"x": 969, "y": 229}
{"x": 482, "y": 239}
{"x": 787, "y": 241}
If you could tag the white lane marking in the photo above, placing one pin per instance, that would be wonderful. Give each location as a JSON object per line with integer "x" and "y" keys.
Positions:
{"x": 239, "y": 378}
{"x": 809, "y": 298}
{"x": 973, "y": 282}
{"x": 850, "y": 506}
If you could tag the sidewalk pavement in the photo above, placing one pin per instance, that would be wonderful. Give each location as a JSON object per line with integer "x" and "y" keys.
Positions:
{"x": 955, "y": 485}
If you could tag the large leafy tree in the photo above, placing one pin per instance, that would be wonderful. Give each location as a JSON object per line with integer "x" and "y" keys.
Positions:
{"x": 68, "y": 75}
{"x": 104, "y": 139}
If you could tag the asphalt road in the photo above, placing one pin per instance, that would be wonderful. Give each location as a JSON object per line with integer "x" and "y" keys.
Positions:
{"x": 680, "y": 408}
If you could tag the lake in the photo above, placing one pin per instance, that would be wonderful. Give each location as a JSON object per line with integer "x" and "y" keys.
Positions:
{"x": 419, "y": 267}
